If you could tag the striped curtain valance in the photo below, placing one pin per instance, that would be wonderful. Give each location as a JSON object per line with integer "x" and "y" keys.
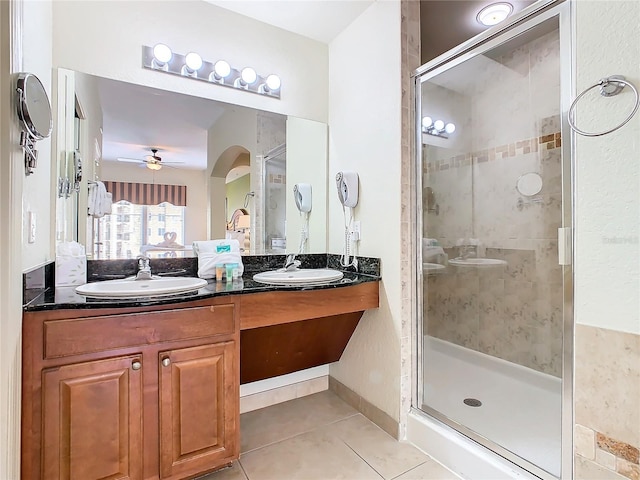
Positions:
{"x": 147, "y": 194}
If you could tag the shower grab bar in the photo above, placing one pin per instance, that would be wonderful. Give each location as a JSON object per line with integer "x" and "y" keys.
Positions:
{"x": 609, "y": 87}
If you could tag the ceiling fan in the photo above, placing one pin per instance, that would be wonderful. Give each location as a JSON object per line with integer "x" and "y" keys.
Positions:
{"x": 152, "y": 162}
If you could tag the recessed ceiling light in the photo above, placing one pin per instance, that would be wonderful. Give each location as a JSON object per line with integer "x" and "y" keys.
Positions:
{"x": 494, "y": 13}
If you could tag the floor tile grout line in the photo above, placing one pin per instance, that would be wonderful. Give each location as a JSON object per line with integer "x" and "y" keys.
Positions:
{"x": 300, "y": 433}
{"x": 246, "y": 475}
{"x": 361, "y": 458}
{"x": 411, "y": 469}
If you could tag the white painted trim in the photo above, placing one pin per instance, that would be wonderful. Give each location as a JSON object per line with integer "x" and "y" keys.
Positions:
{"x": 274, "y": 396}
{"x": 11, "y": 185}
{"x": 458, "y": 453}
{"x": 283, "y": 380}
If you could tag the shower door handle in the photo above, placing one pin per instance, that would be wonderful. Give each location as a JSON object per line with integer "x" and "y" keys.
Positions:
{"x": 564, "y": 246}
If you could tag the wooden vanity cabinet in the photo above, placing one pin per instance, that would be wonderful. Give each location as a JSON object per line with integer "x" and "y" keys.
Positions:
{"x": 130, "y": 394}
{"x": 92, "y": 414}
{"x": 196, "y": 430}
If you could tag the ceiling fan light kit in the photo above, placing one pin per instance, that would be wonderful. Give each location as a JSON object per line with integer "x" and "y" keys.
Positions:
{"x": 153, "y": 161}
{"x": 161, "y": 58}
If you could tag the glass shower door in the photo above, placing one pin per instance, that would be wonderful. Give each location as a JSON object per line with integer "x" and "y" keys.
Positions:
{"x": 492, "y": 288}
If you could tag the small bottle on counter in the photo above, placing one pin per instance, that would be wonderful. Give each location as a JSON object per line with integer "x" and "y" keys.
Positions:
{"x": 219, "y": 272}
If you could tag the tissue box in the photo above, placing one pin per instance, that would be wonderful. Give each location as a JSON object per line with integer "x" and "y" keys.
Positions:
{"x": 71, "y": 270}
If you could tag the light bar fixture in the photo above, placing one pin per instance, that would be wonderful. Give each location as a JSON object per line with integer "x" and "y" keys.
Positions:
{"x": 437, "y": 128}
{"x": 161, "y": 58}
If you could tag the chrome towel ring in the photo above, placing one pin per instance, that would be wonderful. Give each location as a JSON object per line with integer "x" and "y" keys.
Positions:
{"x": 609, "y": 86}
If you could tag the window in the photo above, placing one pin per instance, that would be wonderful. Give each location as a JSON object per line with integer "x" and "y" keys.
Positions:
{"x": 132, "y": 226}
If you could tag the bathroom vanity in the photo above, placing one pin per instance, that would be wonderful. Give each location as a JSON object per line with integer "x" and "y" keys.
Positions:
{"x": 144, "y": 389}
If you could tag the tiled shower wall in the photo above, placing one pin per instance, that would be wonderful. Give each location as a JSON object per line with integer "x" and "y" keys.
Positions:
{"x": 508, "y": 125}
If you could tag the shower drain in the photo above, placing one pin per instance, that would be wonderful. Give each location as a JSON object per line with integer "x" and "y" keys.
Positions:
{"x": 472, "y": 402}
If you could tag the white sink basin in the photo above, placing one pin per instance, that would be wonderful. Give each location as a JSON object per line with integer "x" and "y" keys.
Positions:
{"x": 432, "y": 267}
{"x": 301, "y": 276}
{"x": 477, "y": 262}
{"x": 131, "y": 288}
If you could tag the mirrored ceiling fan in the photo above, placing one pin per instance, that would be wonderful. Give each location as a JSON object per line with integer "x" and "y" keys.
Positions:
{"x": 152, "y": 162}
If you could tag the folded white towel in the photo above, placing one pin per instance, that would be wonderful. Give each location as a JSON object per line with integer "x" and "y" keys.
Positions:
{"x": 214, "y": 252}
{"x": 99, "y": 200}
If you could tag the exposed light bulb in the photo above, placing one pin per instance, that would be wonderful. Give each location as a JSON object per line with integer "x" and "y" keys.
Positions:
{"x": 222, "y": 69}
{"x": 449, "y": 128}
{"x": 162, "y": 53}
{"x": 193, "y": 61}
{"x": 438, "y": 125}
{"x": 427, "y": 122}
{"x": 248, "y": 75}
{"x": 273, "y": 82}
{"x": 494, "y": 13}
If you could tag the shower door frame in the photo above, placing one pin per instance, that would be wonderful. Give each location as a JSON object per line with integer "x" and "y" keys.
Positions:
{"x": 528, "y": 18}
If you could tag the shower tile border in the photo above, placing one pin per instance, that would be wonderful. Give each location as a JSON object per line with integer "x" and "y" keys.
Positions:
{"x": 600, "y": 448}
{"x": 520, "y": 147}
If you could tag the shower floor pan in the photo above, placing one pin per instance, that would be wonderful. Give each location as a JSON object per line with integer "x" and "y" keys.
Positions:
{"x": 521, "y": 408}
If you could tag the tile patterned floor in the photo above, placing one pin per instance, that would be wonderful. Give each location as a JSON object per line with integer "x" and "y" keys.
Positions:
{"x": 319, "y": 437}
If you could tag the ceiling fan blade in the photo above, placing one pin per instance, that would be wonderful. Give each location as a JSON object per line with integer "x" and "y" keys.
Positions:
{"x": 131, "y": 160}
{"x": 165, "y": 163}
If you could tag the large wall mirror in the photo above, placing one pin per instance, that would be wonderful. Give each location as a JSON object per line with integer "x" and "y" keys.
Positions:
{"x": 180, "y": 168}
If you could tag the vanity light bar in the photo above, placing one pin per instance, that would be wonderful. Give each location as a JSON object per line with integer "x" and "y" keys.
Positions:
{"x": 437, "y": 128}
{"x": 193, "y": 66}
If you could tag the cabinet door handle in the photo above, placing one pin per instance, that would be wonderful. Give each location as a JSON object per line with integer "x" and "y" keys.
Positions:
{"x": 136, "y": 365}
{"x": 166, "y": 361}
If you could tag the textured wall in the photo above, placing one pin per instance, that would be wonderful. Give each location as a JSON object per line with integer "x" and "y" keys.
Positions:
{"x": 607, "y": 306}
{"x": 365, "y": 136}
{"x": 113, "y": 33}
{"x": 38, "y": 186}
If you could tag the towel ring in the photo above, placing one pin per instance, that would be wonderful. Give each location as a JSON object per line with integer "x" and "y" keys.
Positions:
{"x": 609, "y": 86}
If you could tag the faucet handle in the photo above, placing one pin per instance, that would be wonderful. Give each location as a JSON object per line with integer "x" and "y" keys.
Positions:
{"x": 143, "y": 261}
{"x": 291, "y": 263}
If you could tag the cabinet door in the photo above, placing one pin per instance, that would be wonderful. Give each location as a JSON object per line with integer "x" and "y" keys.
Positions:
{"x": 199, "y": 409}
{"x": 93, "y": 420}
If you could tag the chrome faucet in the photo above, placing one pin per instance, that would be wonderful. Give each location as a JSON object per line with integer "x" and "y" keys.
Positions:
{"x": 144, "y": 269}
{"x": 468, "y": 251}
{"x": 291, "y": 263}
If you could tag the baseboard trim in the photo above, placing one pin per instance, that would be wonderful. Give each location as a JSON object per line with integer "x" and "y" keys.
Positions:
{"x": 373, "y": 413}
{"x": 255, "y": 401}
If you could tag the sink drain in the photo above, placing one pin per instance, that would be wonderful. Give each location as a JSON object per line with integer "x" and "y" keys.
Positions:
{"x": 472, "y": 402}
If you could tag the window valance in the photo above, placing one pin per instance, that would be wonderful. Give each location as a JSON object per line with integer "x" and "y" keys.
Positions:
{"x": 147, "y": 194}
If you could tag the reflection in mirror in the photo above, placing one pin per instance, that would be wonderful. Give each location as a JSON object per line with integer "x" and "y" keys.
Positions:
{"x": 140, "y": 142}
{"x": 529, "y": 184}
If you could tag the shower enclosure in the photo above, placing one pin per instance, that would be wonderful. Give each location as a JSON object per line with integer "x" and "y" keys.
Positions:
{"x": 494, "y": 198}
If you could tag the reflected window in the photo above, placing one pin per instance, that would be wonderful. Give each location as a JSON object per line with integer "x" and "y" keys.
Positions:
{"x": 124, "y": 233}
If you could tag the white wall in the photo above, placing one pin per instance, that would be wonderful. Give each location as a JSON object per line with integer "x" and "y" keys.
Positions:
{"x": 37, "y": 57}
{"x": 105, "y": 38}
{"x": 607, "y": 268}
{"x": 365, "y": 136}
{"x": 196, "y": 181}
{"x": 17, "y": 194}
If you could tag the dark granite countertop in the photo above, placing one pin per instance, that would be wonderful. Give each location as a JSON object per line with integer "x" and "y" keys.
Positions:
{"x": 65, "y": 297}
